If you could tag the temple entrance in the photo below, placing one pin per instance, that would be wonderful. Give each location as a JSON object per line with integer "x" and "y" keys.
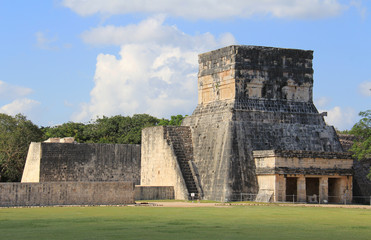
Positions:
{"x": 291, "y": 189}
{"x": 334, "y": 194}
{"x": 312, "y": 189}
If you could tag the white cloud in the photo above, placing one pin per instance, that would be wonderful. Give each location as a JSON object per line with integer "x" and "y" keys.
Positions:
{"x": 10, "y": 92}
{"x": 365, "y": 89}
{"x": 18, "y": 103}
{"x": 25, "y": 106}
{"x": 359, "y": 6}
{"x": 44, "y": 42}
{"x": 340, "y": 118}
{"x": 206, "y": 9}
{"x": 321, "y": 102}
{"x": 155, "y": 73}
{"x": 151, "y": 30}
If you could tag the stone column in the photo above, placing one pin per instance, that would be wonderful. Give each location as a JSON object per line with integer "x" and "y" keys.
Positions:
{"x": 302, "y": 194}
{"x": 350, "y": 189}
{"x": 280, "y": 188}
{"x": 346, "y": 190}
{"x": 283, "y": 187}
{"x": 323, "y": 189}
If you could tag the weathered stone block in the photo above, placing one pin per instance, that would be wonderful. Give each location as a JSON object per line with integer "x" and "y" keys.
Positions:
{"x": 66, "y": 193}
{"x": 53, "y": 162}
{"x": 154, "y": 192}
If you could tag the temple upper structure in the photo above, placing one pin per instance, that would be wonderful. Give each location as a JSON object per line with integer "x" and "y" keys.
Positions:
{"x": 255, "y": 130}
{"x": 250, "y": 72}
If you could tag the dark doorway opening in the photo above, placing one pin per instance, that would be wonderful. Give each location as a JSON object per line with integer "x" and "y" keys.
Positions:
{"x": 312, "y": 189}
{"x": 334, "y": 194}
{"x": 291, "y": 189}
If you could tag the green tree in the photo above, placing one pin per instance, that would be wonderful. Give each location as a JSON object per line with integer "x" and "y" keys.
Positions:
{"x": 163, "y": 122}
{"x": 174, "y": 121}
{"x": 361, "y": 148}
{"x": 120, "y": 129}
{"x": 16, "y": 134}
{"x": 70, "y": 129}
{"x": 115, "y": 129}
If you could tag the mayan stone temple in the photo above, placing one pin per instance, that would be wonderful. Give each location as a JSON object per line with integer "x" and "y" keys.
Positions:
{"x": 255, "y": 130}
{"x": 254, "y": 135}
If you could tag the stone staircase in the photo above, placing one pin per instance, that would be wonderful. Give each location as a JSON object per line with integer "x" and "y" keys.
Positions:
{"x": 181, "y": 140}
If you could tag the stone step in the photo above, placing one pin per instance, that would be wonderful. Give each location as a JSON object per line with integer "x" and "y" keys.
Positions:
{"x": 181, "y": 140}
{"x": 189, "y": 178}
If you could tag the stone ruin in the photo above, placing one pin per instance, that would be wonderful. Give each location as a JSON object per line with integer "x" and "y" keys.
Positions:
{"x": 255, "y": 132}
{"x": 63, "y": 172}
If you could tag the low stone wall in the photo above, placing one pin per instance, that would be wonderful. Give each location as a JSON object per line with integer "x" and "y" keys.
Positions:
{"x": 66, "y": 193}
{"x": 154, "y": 193}
{"x": 82, "y": 162}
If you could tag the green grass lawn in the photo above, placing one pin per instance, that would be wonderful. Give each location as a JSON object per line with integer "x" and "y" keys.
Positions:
{"x": 239, "y": 222}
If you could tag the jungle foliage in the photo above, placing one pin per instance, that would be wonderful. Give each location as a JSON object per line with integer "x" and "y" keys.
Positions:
{"x": 361, "y": 148}
{"x": 16, "y": 134}
{"x": 117, "y": 129}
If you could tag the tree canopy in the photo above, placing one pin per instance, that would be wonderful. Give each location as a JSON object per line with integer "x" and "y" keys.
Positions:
{"x": 174, "y": 121}
{"x": 69, "y": 129}
{"x": 16, "y": 134}
{"x": 117, "y": 129}
{"x": 361, "y": 148}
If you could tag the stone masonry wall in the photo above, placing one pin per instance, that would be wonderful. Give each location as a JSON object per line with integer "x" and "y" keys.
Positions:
{"x": 87, "y": 162}
{"x": 273, "y": 73}
{"x": 213, "y": 155}
{"x": 237, "y": 72}
{"x": 154, "y": 192}
{"x": 66, "y": 193}
{"x": 159, "y": 165}
{"x": 303, "y": 162}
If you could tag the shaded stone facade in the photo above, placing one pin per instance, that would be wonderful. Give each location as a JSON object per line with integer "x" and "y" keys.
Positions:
{"x": 63, "y": 172}
{"x": 154, "y": 192}
{"x": 55, "y": 162}
{"x": 252, "y": 98}
{"x": 66, "y": 193}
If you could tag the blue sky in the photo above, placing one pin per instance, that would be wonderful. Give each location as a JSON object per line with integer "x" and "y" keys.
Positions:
{"x": 73, "y": 60}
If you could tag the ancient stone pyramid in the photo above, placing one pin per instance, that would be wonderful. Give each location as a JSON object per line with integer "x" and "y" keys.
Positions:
{"x": 252, "y": 98}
